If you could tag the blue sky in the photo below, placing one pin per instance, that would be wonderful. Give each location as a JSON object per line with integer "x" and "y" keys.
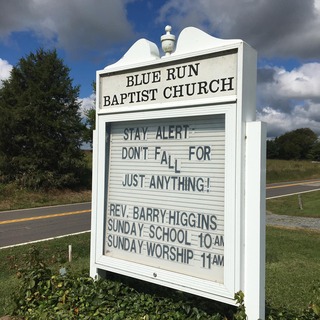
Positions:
{"x": 91, "y": 34}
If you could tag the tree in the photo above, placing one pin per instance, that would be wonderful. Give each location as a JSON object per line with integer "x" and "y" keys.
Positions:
{"x": 314, "y": 153}
{"x": 272, "y": 149}
{"x": 90, "y": 121}
{"x": 296, "y": 144}
{"x": 40, "y": 124}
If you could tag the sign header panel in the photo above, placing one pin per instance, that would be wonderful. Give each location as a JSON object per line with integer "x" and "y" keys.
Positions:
{"x": 205, "y": 77}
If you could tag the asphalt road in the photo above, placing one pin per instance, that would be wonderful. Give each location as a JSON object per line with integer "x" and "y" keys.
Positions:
{"x": 277, "y": 190}
{"x": 22, "y": 226}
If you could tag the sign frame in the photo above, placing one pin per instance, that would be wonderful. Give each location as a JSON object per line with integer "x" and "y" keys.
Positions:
{"x": 244, "y": 229}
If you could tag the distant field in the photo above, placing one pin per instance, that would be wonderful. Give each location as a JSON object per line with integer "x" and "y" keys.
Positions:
{"x": 11, "y": 197}
{"x": 284, "y": 170}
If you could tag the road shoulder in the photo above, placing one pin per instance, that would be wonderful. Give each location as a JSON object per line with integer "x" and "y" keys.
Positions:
{"x": 292, "y": 222}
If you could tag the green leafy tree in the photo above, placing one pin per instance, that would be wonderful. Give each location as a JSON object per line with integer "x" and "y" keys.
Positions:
{"x": 315, "y": 151}
{"x": 272, "y": 149}
{"x": 40, "y": 124}
{"x": 296, "y": 144}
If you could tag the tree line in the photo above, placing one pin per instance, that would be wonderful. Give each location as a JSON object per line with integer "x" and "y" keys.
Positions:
{"x": 299, "y": 144}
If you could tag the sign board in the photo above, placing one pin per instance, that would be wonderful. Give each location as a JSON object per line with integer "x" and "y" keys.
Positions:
{"x": 174, "y": 193}
{"x": 166, "y": 205}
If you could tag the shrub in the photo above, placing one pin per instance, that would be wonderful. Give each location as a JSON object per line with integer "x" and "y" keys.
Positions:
{"x": 44, "y": 295}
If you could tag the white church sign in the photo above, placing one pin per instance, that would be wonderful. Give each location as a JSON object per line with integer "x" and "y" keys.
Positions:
{"x": 178, "y": 178}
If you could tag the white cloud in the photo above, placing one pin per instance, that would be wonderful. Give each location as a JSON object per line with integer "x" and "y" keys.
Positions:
{"x": 5, "y": 69}
{"x": 87, "y": 104}
{"x": 275, "y": 120}
{"x": 303, "y": 82}
{"x": 288, "y": 100}
{"x": 299, "y": 83}
{"x": 301, "y": 116}
{"x": 290, "y": 28}
{"x": 73, "y": 25}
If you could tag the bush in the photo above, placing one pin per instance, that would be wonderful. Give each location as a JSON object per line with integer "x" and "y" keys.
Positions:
{"x": 44, "y": 295}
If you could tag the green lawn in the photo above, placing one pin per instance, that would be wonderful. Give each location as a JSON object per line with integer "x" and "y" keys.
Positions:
{"x": 292, "y": 269}
{"x": 290, "y": 205}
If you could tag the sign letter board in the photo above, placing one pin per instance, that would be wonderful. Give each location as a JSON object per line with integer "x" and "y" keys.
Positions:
{"x": 169, "y": 158}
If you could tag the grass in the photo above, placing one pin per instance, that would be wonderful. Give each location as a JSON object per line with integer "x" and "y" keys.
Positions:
{"x": 283, "y": 170}
{"x": 14, "y": 197}
{"x": 292, "y": 268}
{"x": 11, "y": 197}
{"x": 290, "y": 205}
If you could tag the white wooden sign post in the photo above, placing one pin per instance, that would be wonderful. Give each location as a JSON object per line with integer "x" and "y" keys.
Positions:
{"x": 179, "y": 169}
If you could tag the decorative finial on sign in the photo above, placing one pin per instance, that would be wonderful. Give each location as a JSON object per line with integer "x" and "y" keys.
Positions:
{"x": 168, "y": 41}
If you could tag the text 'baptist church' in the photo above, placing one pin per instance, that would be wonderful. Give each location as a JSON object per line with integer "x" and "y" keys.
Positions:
{"x": 195, "y": 80}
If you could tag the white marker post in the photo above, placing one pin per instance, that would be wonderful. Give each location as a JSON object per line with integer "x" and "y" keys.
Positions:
{"x": 179, "y": 169}
{"x": 70, "y": 252}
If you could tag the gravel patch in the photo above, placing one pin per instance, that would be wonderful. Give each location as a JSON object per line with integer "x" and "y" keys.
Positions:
{"x": 293, "y": 222}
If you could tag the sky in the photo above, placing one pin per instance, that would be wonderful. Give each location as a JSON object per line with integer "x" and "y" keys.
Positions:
{"x": 91, "y": 34}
